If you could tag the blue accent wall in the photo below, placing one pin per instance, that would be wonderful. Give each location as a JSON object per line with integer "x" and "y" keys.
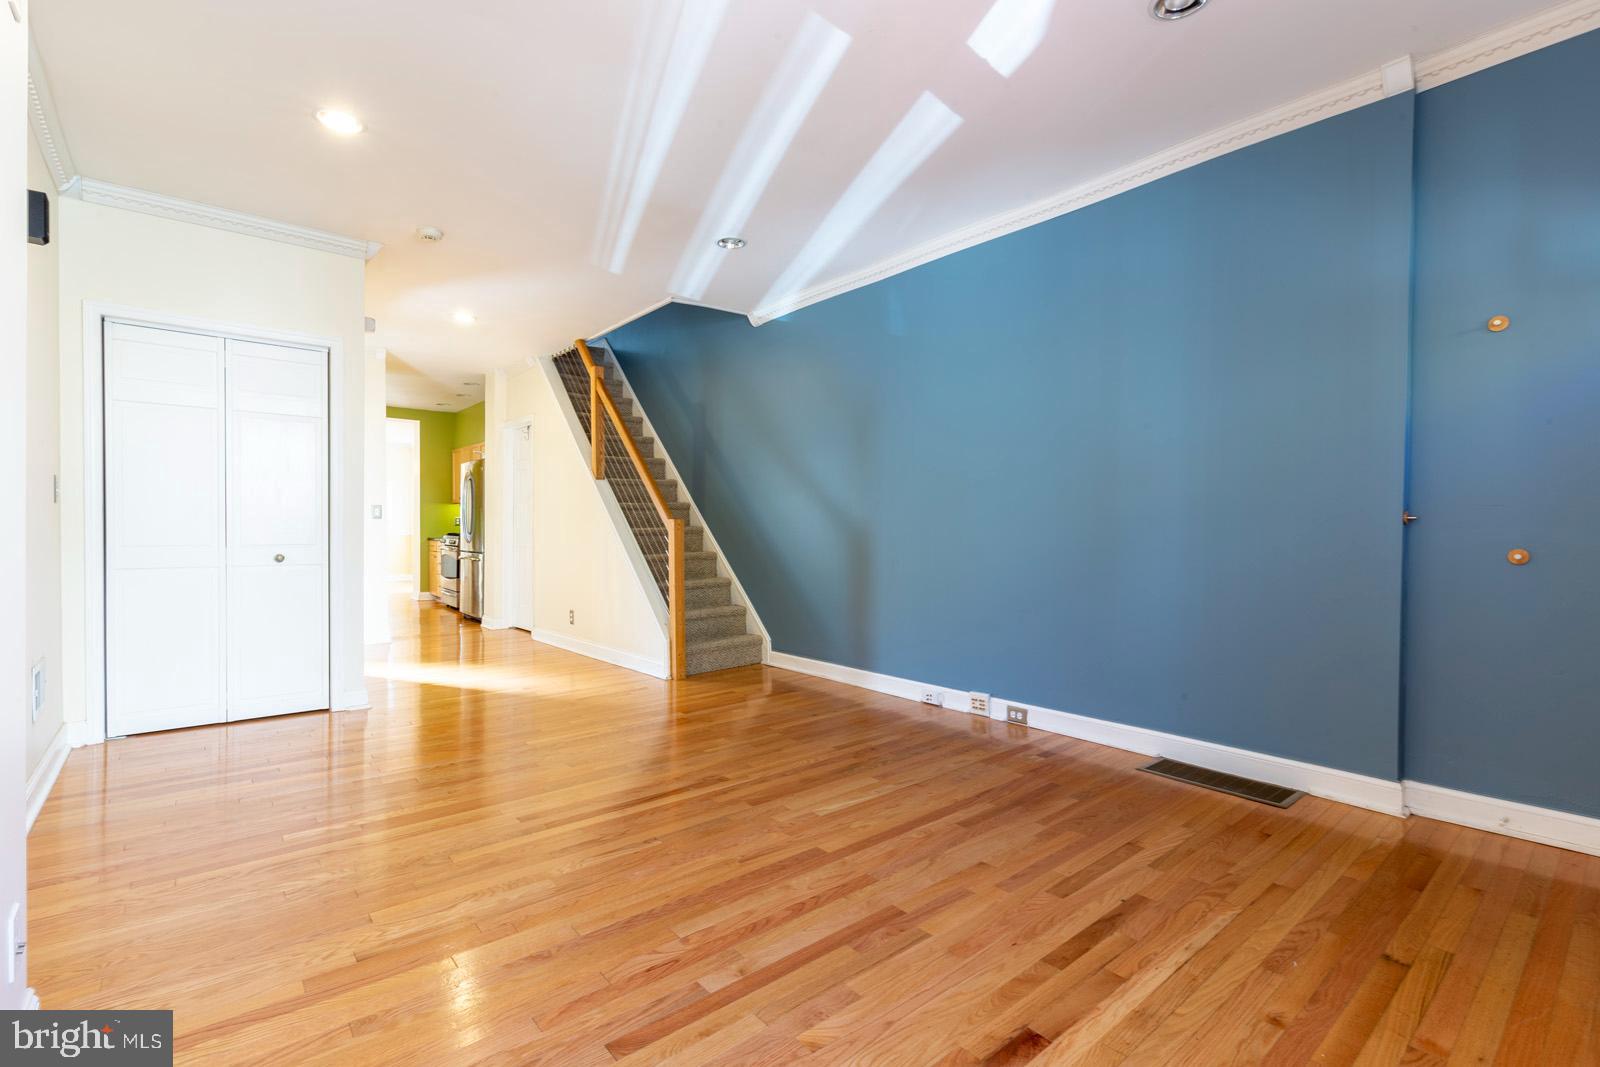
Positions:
{"x": 1503, "y": 662}
{"x": 1142, "y": 462}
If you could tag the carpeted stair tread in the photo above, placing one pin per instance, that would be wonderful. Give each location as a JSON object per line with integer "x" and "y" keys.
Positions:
{"x": 723, "y": 653}
{"x": 714, "y": 611}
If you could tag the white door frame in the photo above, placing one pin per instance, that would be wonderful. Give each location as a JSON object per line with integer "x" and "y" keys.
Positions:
{"x": 504, "y": 482}
{"x": 508, "y": 594}
{"x": 340, "y": 690}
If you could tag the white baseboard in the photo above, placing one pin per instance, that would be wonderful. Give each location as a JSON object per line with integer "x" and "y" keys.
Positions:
{"x": 1331, "y": 783}
{"x": 654, "y": 668}
{"x": 423, "y": 596}
{"x": 353, "y": 700}
{"x": 1346, "y": 787}
{"x": 44, "y": 776}
{"x": 954, "y": 699}
{"x": 489, "y": 623}
{"x": 30, "y": 1000}
{"x": 1580, "y": 833}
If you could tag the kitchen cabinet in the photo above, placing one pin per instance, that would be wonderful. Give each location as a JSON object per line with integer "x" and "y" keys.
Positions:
{"x": 464, "y": 454}
{"x": 435, "y": 567}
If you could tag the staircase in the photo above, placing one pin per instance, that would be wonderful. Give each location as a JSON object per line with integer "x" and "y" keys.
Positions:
{"x": 714, "y": 626}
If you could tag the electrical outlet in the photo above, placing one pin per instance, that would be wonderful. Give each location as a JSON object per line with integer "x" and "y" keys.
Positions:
{"x": 572, "y": 617}
{"x": 377, "y": 511}
{"x": 1016, "y": 714}
{"x": 979, "y": 703}
{"x": 38, "y": 689}
{"x": 934, "y": 697}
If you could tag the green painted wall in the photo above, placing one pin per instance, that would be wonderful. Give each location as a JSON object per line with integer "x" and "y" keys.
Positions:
{"x": 469, "y": 426}
{"x": 442, "y": 432}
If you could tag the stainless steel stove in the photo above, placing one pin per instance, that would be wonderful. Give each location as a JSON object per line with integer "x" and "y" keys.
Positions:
{"x": 450, "y": 570}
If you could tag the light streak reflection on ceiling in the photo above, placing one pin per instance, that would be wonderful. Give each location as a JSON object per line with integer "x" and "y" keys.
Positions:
{"x": 670, "y": 54}
{"x": 1010, "y": 33}
{"x": 918, "y": 135}
{"x": 787, "y": 100}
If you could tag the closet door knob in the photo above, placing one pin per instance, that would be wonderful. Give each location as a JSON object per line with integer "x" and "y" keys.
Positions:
{"x": 278, "y": 558}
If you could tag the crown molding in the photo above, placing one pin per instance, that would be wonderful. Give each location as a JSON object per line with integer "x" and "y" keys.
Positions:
{"x": 1508, "y": 42}
{"x": 47, "y": 131}
{"x": 1345, "y": 96}
{"x": 52, "y": 141}
{"x": 92, "y": 191}
{"x": 630, "y": 317}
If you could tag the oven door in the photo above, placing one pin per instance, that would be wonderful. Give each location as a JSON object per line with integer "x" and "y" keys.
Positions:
{"x": 450, "y": 576}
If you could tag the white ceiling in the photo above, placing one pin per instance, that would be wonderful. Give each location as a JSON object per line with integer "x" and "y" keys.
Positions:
{"x": 507, "y": 125}
{"x": 406, "y": 386}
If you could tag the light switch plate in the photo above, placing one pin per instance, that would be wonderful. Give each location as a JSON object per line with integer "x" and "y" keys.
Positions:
{"x": 38, "y": 689}
{"x": 13, "y": 946}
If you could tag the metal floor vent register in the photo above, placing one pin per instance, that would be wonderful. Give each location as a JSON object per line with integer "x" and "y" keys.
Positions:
{"x": 1276, "y": 795}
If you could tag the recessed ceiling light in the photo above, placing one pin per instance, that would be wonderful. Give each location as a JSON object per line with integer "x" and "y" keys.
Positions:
{"x": 341, "y": 122}
{"x": 464, "y": 318}
{"x": 430, "y": 233}
{"x": 730, "y": 243}
{"x": 1172, "y": 10}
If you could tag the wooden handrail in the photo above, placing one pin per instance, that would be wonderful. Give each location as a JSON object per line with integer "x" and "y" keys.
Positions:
{"x": 600, "y": 399}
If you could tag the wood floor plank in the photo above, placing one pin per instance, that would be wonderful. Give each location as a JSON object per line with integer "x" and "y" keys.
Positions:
{"x": 519, "y": 856}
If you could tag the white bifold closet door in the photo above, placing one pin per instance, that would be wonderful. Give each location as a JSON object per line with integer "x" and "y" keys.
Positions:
{"x": 216, "y": 492}
{"x": 166, "y": 539}
{"x": 277, "y": 420}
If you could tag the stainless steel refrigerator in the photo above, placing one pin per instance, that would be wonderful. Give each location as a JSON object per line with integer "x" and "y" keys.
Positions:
{"x": 470, "y": 582}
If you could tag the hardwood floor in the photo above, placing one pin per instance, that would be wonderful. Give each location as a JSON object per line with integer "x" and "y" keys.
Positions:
{"x": 521, "y": 856}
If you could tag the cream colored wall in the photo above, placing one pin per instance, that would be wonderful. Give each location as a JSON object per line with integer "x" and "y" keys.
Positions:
{"x": 42, "y": 574}
{"x": 580, "y": 562}
{"x": 156, "y": 265}
{"x": 375, "y": 423}
{"x": 497, "y": 502}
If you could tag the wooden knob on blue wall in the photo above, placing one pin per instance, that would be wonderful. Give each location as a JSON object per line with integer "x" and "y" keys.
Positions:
{"x": 1518, "y": 556}
{"x": 1498, "y": 323}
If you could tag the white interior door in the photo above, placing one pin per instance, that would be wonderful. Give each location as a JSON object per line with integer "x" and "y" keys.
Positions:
{"x": 165, "y": 537}
{"x": 277, "y": 504}
{"x": 521, "y": 440}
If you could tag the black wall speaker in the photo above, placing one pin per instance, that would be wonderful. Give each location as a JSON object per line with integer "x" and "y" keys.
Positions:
{"x": 38, "y": 218}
